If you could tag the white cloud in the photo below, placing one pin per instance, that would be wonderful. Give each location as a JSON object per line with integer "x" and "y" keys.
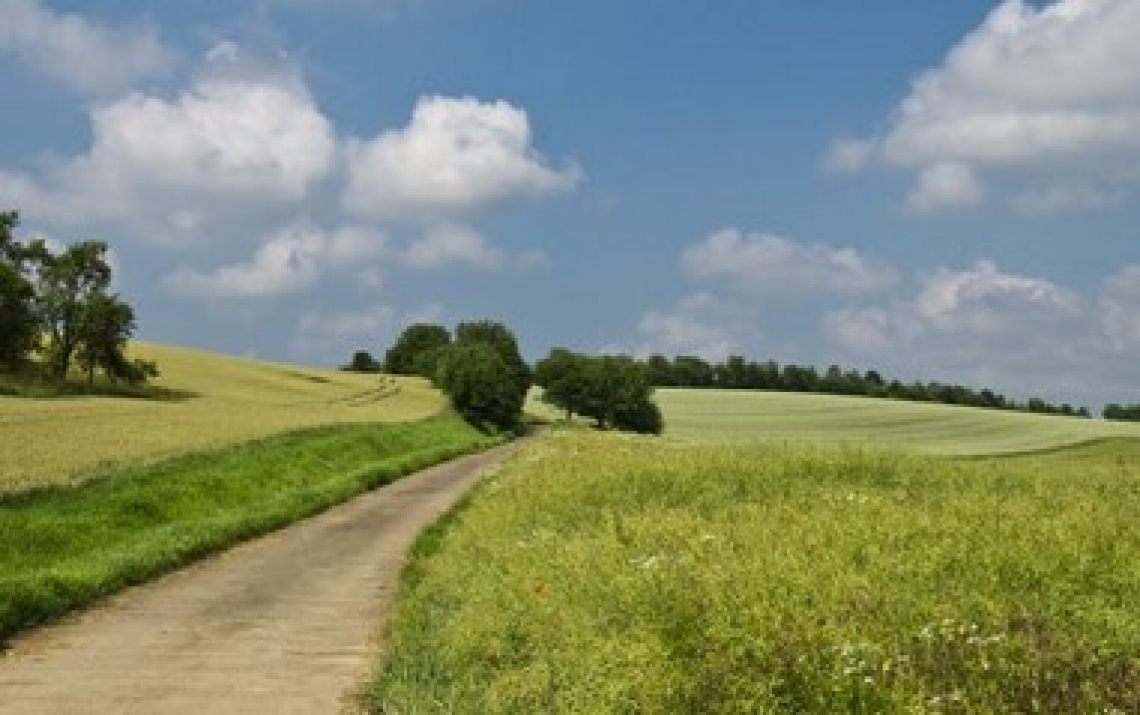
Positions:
{"x": 452, "y": 245}
{"x": 1058, "y": 199}
{"x": 331, "y": 338}
{"x": 241, "y": 139}
{"x": 1031, "y": 93}
{"x": 850, "y": 155}
{"x": 87, "y": 55}
{"x": 700, "y": 324}
{"x": 1120, "y": 309}
{"x": 456, "y": 156}
{"x": 944, "y": 187}
{"x": 292, "y": 260}
{"x": 980, "y": 326}
{"x": 762, "y": 263}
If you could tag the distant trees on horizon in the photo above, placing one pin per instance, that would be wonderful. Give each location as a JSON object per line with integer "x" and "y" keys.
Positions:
{"x": 739, "y": 373}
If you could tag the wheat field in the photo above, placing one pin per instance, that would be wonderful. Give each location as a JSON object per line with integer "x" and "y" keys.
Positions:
{"x": 230, "y": 400}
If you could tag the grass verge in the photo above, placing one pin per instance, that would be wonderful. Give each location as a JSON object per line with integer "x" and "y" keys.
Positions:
{"x": 61, "y": 548}
{"x": 607, "y": 574}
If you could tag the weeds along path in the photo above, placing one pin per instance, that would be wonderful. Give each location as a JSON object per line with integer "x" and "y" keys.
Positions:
{"x": 283, "y": 624}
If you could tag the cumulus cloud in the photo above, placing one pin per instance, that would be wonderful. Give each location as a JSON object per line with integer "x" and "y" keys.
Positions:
{"x": 980, "y": 325}
{"x": 1031, "y": 93}
{"x": 454, "y": 157}
{"x": 292, "y": 260}
{"x": 86, "y": 55}
{"x": 238, "y": 140}
{"x": 943, "y": 187}
{"x": 763, "y": 263}
{"x": 700, "y": 324}
{"x": 329, "y": 338}
{"x": 452, "y": 245}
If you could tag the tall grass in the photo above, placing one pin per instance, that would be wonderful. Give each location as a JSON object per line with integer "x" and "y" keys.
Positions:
{"x": 605, "y": 574}
{"x": 63, "y": 547}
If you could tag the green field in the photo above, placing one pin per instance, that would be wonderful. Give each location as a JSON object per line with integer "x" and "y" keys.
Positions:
{"x": 601, "y": 573}
{"x": 230, "y": 400}
{"x": 740, "y": 416}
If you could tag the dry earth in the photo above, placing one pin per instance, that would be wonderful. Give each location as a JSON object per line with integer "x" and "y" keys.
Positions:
{"x": 283, "y": 624}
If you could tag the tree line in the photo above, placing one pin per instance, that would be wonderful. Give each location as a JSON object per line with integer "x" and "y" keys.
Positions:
{"x": 739, "y": 373}
{"x": 1122, "y": 413}
{"x": 57, "y": 311}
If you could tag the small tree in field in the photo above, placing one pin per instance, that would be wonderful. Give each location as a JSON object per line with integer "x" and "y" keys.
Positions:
{"x": 19, "y": 328}
{"x": 481, "y": 387}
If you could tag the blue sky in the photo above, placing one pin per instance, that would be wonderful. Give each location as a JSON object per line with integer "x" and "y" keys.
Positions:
{"x": 940, "y": 190}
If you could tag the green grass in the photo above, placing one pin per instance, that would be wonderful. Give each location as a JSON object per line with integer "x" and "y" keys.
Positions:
{"x": 64, "y": 547}
{"x": 601, "y": 573}
{"x": 774, "y": 417}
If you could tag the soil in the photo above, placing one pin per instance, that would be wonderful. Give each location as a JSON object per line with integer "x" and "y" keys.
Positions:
{"x": 288, "y": 623}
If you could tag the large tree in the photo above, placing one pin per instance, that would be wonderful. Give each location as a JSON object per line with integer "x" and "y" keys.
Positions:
{"x": 500, "y": 339}
{"x": 66, "y": 283}
{"x": 417, "y": 350}
{"x": 104, "y": 330}
{"x": 19, "y": 328}
{"x": 616, "y": 391}
{"x": 481, "y": 386}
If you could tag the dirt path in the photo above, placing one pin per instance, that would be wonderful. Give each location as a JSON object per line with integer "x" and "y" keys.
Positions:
{"x": 283, "y": 624}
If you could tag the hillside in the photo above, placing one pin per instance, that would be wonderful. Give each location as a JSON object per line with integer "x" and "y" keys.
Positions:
{"x": 228, "y": 400}
{"x": 749, "y": 416}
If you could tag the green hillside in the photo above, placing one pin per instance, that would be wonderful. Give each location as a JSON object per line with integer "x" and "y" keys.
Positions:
{"x": 749, "y": 416}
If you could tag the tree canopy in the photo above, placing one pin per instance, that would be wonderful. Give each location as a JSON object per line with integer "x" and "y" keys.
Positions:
{"x": 416, "y": 351}
{"x": 57, "y": 306}
{"x": 615, "y": 391}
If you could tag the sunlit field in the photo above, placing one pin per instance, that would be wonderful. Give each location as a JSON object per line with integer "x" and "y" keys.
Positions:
{"x": 229, "y": 400}
{"x": 745, "y": 416}
{"x": 600, "y": 573}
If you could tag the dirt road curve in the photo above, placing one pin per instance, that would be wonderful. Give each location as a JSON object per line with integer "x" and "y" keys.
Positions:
{"x": 282, "y": 624}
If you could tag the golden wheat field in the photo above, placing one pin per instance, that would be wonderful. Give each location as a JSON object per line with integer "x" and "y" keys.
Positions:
{"x": 230, "y": 400}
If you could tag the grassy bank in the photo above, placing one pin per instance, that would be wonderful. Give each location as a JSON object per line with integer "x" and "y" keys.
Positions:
{"x": 64, "y": 547}
{"x": 607, "y": 574}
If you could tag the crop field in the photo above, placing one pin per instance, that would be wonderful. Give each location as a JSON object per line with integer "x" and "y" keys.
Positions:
{"x": 228, "y": 400}
{"x": 747, "y": 416}
{"x": 603, "y": 573}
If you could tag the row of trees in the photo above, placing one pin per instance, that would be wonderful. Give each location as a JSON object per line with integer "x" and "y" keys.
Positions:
{"x": 1123, "y": 413}
{"x": 487, "y": 380}
{"x": 613, "y": 390}
{"x": 56, "y": 310}
{"x": 742, "y": 374}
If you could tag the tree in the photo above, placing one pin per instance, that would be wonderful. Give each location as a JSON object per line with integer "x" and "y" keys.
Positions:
{"x": 615, "y": 391}
{"x": 362, "y": 361}
{"x": 500, "y": 339}
{"x": 105, "y": 328}
{"x": 19, "y": 328}
{"x": 64, "y": 284}
{"x": 481, "y": 386}
{"x": 416, "y": 340}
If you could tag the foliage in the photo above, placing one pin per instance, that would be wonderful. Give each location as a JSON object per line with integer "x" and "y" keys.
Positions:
{"x": 1122, "y": 413}
{"x": 404, "y": 358}
{"x": 615, "y": 391}
{"x": 362, "y": 361}
{"x": 499, "y": 338}
{"x": 606, "y": 574}
{"x": 481, "y": 386}
{"x": 63, "y": 295}
{"x": 62, "y": 548}
{"x": 741, "y": 374}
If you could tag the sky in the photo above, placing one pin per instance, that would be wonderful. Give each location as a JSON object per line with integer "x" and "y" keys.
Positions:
{"x": 943, "y": 191}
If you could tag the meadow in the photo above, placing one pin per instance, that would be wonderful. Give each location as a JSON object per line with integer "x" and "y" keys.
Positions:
{"x": 776, "y": 417}
{"x": 223, "y": 401}
{"x": 603, "y": 573}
